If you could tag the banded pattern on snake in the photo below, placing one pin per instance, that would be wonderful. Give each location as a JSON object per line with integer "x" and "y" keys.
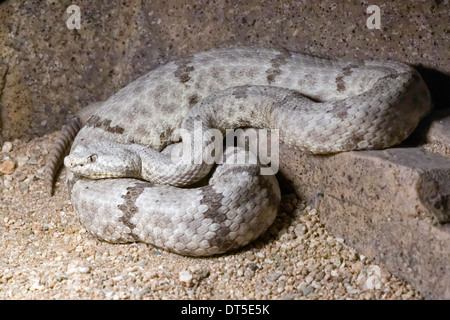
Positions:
{"x": 125, "y": 187}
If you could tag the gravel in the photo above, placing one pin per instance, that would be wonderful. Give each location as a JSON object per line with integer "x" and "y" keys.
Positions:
{"x": 46, "y": 254}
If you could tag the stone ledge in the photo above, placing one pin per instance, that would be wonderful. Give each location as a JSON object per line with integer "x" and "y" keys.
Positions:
{"x": 391, "y": 205}
{"x": 438, "y": 132}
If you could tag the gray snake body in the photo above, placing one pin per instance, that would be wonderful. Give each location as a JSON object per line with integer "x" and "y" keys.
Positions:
{"x": 319, "y": 106}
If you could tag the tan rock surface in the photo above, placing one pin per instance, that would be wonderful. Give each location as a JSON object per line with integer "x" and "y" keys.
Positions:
{"x": 48, "y": 72}
{"x": 391, "y": 205}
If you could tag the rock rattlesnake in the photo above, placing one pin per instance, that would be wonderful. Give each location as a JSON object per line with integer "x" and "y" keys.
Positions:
{"x": 124, "y": 186}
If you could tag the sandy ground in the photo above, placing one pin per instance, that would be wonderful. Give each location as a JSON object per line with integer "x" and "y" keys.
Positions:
{"x": 46, "y": 254}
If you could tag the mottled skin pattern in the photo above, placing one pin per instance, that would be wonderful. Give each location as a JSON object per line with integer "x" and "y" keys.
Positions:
{"x": 319, "y": 106}
{"x": 198, "y": 221}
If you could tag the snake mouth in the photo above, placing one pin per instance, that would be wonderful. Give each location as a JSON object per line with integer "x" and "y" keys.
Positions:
{"x": 98, "y": 176}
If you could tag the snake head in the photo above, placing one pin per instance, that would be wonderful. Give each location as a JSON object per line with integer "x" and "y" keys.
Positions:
{"x": 103, "y": 159}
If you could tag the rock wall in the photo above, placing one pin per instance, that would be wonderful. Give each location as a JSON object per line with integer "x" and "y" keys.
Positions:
{"x": 48, "y": 71}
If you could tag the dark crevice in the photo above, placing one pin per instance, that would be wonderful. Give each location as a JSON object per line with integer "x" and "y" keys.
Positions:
{"x": 2, "y": 88}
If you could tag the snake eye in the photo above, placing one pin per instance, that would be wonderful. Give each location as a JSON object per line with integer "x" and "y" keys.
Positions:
{"x": 92, "y": 158}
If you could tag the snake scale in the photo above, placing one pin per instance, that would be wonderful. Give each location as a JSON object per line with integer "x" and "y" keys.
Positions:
{"x": 124, "y": 186}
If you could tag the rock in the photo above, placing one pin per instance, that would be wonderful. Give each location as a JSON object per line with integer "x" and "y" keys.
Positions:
{"x": 249, "y": 273}
{"x": 72, "y": 268}
{"x": 19, "y": 176}
{"x": 252, "y": 266}
{"x": 48, "y": 72}
{"x": 391, "y": 205}
{"x": 273, "y": 276}
{"x": 7, "y": 167}
{"x": 288, "y": 296}
{"x": 439, "y": 130}
{"x": 306, "y": 289}
{"x": 201, "y": 274}
{"x": 7, "y": 183}
{"x": 185, "y": 276}
{"x": 84, "y": 269}
{"x": 32, "y": 160}
{"x": 357, "y": 267}
{"x": 21, "y": 161}
{"x": 250, "y": 270}
{"x": 320, "y": 275}
{"x": 7, "y": 147}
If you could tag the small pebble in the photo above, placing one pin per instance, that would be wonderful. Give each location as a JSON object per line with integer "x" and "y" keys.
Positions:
{"x": 7, "y": 167}
{"x": 21, "y": 161}
{"x": 249, "y": 273}
{"x": 84, "y": 269}
{"x": 7, "y": 183}
{"x": 185, "y": 276}
{"x": 273, "y": 276}
{"x": 300, "y": 230}
{"x": 32, "y": 160}
{"x": 19, "y": 176}
{"x": 7, "y": 147}
{"x": 357, "y": 267}
{"x": 252, "y": 266}
{"x": 307, "y": 290}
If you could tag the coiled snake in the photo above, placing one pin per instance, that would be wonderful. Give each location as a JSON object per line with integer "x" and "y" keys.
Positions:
{"x": 125, "y": 187}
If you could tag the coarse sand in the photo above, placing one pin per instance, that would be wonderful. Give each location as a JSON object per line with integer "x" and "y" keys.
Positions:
{"x": 45, "y": 253}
